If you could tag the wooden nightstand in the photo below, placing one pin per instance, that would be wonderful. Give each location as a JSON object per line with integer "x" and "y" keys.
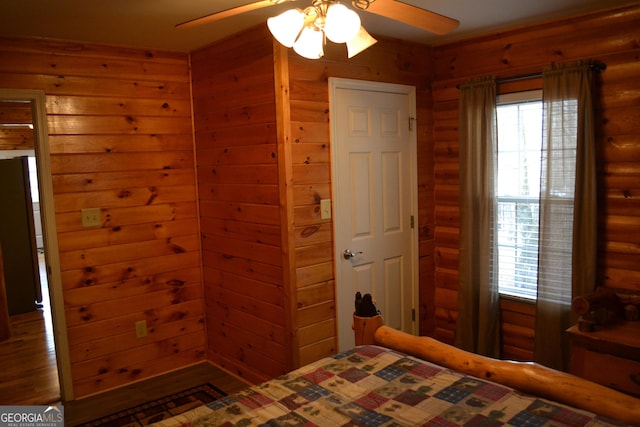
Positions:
{"x": 609, "y": 356}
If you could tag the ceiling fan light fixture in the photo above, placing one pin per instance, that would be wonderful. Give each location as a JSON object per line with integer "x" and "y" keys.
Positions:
{"x": 342, "y": 24}
{"x": 360, "y": 42}
{"x": 310, "y": 43}
{"x": 287, "y": 26}
{"x": 308, "y": 30}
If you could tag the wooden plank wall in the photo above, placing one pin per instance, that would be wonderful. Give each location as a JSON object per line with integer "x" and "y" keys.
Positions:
{"x": 237, "y": 152}
{"x": 120, "y": 139}
{"x": 611, "y": 37}
{"x": 15, "y": 133}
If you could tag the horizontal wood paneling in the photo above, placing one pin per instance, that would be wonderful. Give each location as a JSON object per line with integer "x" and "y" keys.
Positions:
{"x": 119, "y": 124}
{"x": 236, "y": 145}
{"x": 15, "y": 133}
{"x": 610, "y": 37}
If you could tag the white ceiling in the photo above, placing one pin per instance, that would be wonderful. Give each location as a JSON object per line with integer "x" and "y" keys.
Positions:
{"x": 151, "y": 23}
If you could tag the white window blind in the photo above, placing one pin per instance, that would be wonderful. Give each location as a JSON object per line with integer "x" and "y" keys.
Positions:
{"x": 558, "y": 182}
{"x": 518, "y": 191}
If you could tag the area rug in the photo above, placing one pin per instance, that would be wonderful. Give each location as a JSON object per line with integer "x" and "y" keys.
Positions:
{"x": 160, "y": 409}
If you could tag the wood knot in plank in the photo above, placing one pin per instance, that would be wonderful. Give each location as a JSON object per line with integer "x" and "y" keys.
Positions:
{"x": 178, "y": 315}
{"x": 310, "y": 231}
{"x": 153, "y": 195}
{"x": 175, "y": 282}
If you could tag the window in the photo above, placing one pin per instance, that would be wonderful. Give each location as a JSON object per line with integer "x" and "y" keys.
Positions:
{"x": 519, "y": 118}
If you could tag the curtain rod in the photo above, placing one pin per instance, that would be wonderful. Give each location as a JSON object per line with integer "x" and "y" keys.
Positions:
{"x": 596, "y": 66}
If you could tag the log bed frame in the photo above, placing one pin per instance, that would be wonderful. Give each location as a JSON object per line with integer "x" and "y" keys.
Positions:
{"x": 527, "y": 377}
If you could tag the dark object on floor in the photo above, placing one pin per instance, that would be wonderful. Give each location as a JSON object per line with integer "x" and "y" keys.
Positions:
{"x": 160, "y": 409}
{"x": 365, "y": 307}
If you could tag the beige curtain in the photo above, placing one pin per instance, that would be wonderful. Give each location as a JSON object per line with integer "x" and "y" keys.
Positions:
{"x": 568, "y": 213}
{"x": 477, "y": 327}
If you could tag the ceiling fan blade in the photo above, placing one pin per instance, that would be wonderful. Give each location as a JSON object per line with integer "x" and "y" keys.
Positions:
{"x": 227, "y": 13}
{"x": 414, "y": 16}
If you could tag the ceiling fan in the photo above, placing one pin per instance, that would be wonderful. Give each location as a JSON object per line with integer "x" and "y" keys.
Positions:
{"x": 307, "y": 30}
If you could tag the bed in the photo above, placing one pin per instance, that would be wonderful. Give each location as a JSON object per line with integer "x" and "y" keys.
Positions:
{"x": 394, "y": 379}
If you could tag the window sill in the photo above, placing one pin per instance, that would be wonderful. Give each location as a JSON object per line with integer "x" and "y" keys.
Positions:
{"x": 520, "y": 300}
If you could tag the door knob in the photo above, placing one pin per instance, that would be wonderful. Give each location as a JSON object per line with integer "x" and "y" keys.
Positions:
{"x": 348, "y": 254}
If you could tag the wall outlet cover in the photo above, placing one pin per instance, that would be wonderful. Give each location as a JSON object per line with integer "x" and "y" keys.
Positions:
{"x": 141, "y": 329}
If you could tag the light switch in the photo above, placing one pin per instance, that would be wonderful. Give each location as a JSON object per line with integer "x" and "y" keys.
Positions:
{"x": 325, "y": 209}
{"x": 91, "y": 217}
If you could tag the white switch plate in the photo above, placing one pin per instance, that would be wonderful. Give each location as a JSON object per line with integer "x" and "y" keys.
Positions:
{"x": 91, "y": 217}
{"x": 325, "y": 209}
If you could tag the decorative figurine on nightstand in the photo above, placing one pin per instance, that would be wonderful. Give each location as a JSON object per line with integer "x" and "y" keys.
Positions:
{"x": 605, "y": 306}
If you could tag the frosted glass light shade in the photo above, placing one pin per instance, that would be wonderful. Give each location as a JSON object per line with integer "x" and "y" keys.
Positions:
{"x": 342, "y": 24}
{"x": 360, "y": 42}
{"x": 310, "y": 43}
{"x": 286, "y": 26}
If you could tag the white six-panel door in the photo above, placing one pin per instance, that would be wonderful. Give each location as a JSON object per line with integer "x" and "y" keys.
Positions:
{"x": 375, "y": 190}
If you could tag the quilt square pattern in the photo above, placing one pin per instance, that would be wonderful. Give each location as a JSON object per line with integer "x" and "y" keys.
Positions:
{"x": 372, "y": 386}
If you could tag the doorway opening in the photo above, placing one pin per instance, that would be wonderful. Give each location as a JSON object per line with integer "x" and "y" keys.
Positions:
{"x": 35, "y": 359}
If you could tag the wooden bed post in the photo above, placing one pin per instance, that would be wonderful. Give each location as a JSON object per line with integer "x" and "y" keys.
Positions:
{"x": 365, "y": 327}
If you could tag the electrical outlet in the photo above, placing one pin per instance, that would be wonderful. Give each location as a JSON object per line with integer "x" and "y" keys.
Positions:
{"x": 325, "y": 209}
{"x": 141, "y": 329}
{"x": 91, "y": 217}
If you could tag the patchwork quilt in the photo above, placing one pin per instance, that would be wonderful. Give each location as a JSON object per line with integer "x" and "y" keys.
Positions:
{"x": 374, "y": 386}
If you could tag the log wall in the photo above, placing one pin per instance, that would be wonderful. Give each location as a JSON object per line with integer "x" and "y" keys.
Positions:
{"x": 611, "y": 37}
{"x": 120, "y": 136}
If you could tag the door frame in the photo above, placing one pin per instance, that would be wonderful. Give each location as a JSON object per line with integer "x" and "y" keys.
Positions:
{"x": 49, "y": 232}
{"x": 336, "y": 83}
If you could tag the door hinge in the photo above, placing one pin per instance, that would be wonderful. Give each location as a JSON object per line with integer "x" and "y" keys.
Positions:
{"x": 411, "y": 120}
{"x": 413, "y": 314}
{"x": 413, "y": 222}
